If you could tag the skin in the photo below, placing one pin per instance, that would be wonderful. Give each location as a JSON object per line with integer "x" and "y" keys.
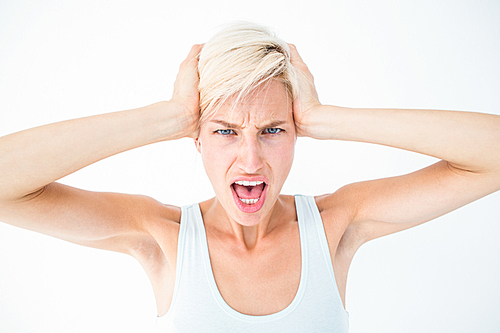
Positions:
{"x": 248, "y": 241}
{"x": 255, "y": 257}
{"x": 249, "y": 151}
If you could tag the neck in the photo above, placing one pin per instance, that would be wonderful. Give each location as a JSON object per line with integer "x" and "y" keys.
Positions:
{"x": 246, "y": 231}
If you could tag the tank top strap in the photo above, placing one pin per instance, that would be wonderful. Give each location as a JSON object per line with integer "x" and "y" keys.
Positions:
{"x": 319, "y": 259}
{"x": 197, "y": 305}
{"x": 189, "y": 251}
{"x": 311, "y": 222}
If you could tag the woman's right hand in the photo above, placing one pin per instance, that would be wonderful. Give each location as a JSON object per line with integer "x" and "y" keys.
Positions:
{"x": 186, "y": 98}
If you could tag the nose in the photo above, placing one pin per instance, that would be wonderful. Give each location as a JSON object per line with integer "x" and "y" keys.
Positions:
{"x": 250, "y": 156}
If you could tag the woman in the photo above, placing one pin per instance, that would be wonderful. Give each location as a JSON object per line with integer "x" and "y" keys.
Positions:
{"x": 248, "y": 259}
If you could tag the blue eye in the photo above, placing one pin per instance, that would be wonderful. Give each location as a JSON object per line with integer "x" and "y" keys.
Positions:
{"x": 225, "y": 131}
{"x": 272, "y": 130}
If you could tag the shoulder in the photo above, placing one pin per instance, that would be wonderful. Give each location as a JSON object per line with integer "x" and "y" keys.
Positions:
{"x": 336, "y": 207}
{"x": 160, "y": 223}
{"x": 156, "y": 217}
{"x": 162, "y": 219}
{"x": 338, "y": 211}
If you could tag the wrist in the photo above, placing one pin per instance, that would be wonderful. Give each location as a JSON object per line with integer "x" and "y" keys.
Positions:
{"x": 319, "y": 123}
{"x": 173, "y": 121}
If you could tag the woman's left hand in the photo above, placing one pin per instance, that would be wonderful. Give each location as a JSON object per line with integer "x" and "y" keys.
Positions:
{"x": 306, "y": 106}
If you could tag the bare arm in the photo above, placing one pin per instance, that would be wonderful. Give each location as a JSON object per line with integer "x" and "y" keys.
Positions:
{"x": 469, "y": 170}
{"x": 467, "y": 143}
{"x": 36, "y": 157}
{"x": 465, "y": 139}
{"x": 32, "y": 160}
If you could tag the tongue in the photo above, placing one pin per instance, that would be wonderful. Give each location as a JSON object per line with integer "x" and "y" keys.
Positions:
{"x": 248, "y": 192}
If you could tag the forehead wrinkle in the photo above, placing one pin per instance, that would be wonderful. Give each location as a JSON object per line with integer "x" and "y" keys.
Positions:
{"x": 264, "y": 100}
{"x": 265, "y": 125}
{"x": 259, "y": 114}
{"x": 224, "y": 123}
{"x": 260, "y": 108}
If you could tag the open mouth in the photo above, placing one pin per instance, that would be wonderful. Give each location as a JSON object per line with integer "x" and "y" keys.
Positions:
{"x": 249, "y": 195}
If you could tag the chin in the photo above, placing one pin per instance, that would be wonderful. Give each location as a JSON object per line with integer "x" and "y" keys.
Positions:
{"x": 248, "y": 215}
{"x": 248, "y": 221}
{"x": 251, "y": 219}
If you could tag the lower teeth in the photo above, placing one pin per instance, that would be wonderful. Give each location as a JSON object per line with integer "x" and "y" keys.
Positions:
{"x": 249, "y": 201}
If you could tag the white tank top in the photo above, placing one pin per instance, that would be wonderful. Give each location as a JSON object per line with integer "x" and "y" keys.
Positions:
{"x": 197, "y": 305}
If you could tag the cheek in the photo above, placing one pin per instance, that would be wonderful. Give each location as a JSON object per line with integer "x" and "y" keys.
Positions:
{"x": 215, "y": 159}
{"x": 281, "y": 156}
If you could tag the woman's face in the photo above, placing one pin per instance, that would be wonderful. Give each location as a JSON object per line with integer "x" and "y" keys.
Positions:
{"x": 248, "y": 151}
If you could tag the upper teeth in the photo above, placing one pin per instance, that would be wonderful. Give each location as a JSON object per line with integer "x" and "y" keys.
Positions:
{"x": 248, "y": 183}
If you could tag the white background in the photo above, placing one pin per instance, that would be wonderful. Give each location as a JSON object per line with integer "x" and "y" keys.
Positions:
{"x": 68, "y": 59}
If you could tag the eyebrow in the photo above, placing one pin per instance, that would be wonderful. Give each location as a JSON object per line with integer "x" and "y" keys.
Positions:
{"x": 230, "y": 125}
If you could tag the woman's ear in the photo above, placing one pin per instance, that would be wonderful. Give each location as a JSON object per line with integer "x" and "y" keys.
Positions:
{"x": 197, "y": 143}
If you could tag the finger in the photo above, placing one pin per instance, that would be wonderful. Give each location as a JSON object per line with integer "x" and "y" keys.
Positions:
{"x": 299, "y": 64}
{"x": 188, "y": 71}
{"x": 191, "y": 61}
{"x": 195, "y": 51}
{"x": 294, "y": 55}
{"x": 193, "y": 55}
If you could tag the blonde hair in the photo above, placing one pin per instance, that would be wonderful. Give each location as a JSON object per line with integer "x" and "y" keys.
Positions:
{"x": 237, "y": 60}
